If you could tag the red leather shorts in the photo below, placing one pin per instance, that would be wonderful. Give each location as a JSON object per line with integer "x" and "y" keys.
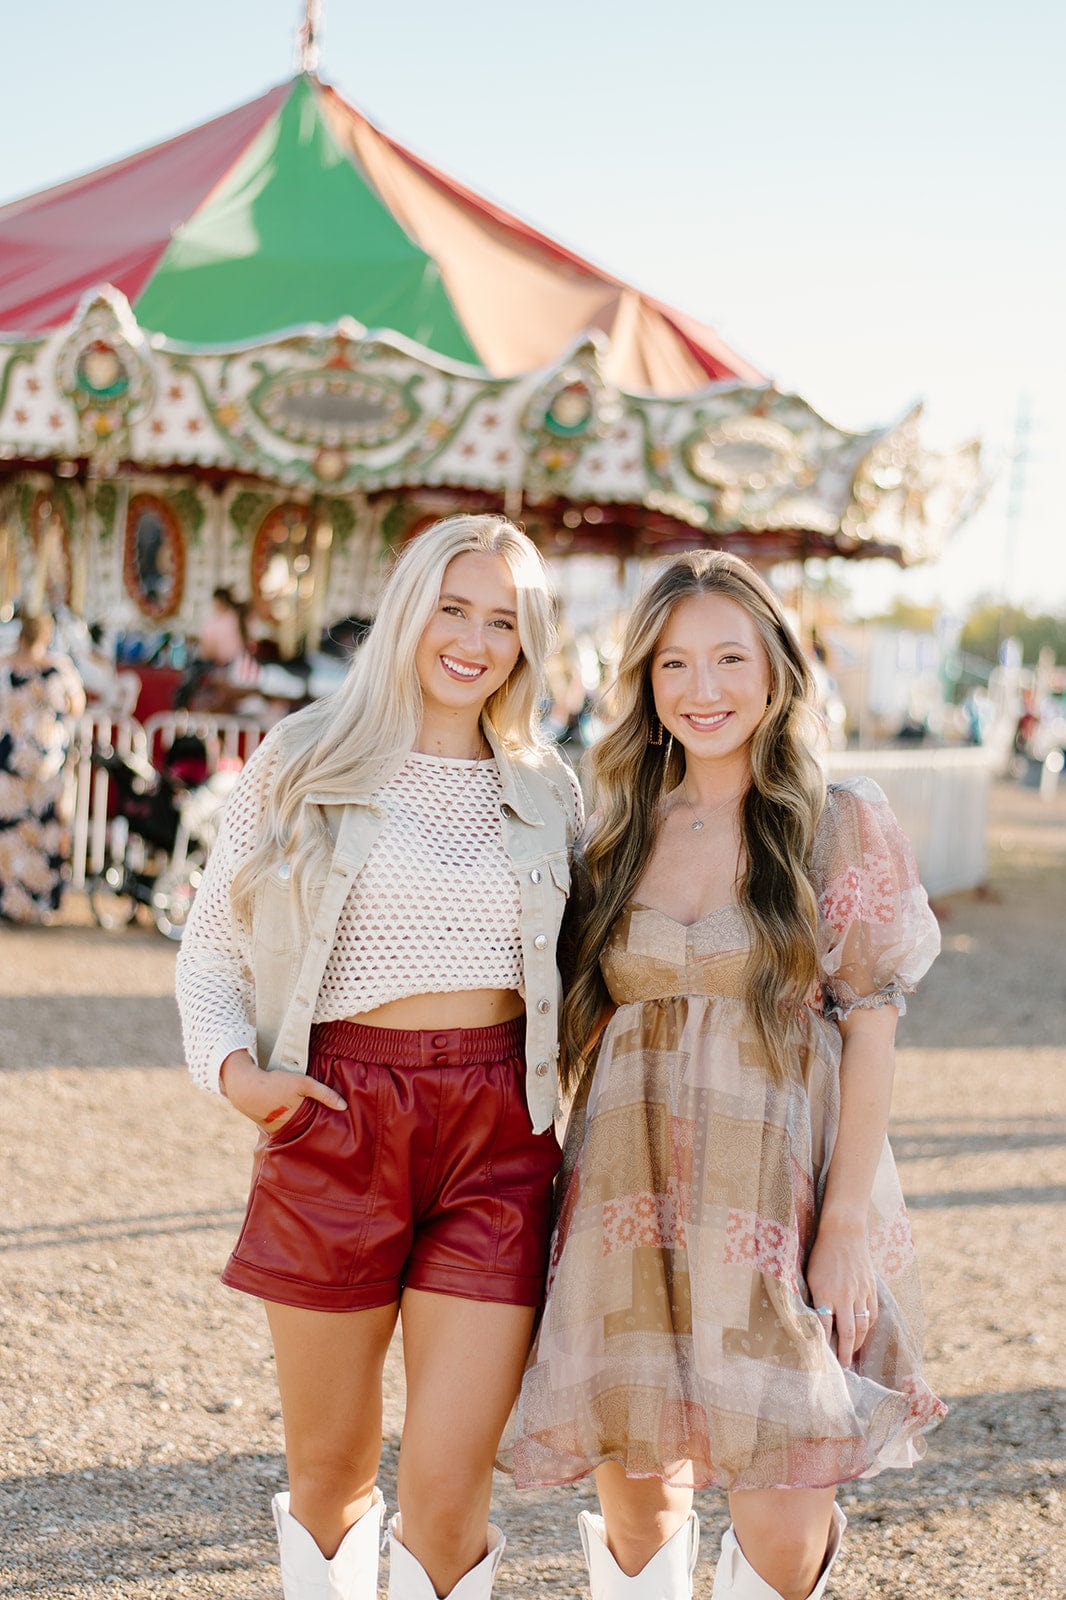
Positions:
{"x": 432, "y": 1179}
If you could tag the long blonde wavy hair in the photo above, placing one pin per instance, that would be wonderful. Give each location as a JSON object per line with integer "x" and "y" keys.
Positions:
{"x": 357, "y": 738}
{"x": 780, "y": 812}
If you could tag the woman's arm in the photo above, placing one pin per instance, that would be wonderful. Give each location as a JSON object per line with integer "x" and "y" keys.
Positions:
{"x": 839, "y": 1270}
{"x": 271, "y": 1098}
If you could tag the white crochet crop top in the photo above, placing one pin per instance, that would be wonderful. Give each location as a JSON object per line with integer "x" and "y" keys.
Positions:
{"x": 435, "y": 909}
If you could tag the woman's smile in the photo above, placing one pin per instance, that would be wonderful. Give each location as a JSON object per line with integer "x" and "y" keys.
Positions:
{"x": 465, "y": 671}
{"x": 706, "y": 722}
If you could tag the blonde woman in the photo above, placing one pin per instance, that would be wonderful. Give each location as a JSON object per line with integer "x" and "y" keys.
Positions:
{"x": 733, "y": 1298}
{"x": 369, "y": 975}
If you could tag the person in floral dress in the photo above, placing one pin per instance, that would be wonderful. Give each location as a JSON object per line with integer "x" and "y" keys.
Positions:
{"x": 40, "y": 692}
{"x": 733, "y": 1298}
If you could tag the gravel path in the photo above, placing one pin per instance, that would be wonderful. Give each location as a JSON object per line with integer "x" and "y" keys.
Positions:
{"x": 140, "y": 1437}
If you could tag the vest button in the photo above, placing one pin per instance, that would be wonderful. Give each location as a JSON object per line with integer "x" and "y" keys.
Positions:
{"x": 542, "y": 1069}
{"x": 544, "y": 1006}
{"x": 540, "y": 942}
{"x": 534, "y": 876}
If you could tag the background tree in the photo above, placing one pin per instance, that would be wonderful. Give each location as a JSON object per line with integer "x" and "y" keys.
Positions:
{"x": 988, "y": 624}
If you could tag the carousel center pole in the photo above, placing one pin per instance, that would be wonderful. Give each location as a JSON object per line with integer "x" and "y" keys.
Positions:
{"x": 307, "y": 34}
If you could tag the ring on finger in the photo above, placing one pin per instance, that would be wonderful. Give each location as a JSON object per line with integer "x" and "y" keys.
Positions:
{"x": 823, "y": 1311}
{"x": 862, "y": 1313}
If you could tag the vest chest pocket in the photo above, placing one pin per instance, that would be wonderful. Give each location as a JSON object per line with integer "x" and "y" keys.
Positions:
{"x": 556, "y": 890}
{"x": 559, "y": 869}
{"x": 274, "y": 927}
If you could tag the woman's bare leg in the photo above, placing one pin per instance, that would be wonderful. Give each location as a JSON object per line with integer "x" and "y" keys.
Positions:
{"x": 464, "y": 1361}
{"x": 329, "y": 1373}
{"x": 639, "y": 1514}
{"x": 784, "y": 1534}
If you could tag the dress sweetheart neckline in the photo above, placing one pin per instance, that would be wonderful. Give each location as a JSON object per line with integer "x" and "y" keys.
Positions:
{"x": 642, "y": 905}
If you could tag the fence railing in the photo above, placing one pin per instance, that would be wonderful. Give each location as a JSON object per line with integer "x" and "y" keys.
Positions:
{"x": 939, "y": 796}
{"x": 226, "y": 737}
{"x": 941, "y": 800}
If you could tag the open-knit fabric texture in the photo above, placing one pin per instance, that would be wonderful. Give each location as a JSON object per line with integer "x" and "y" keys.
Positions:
{"x": 435, "y": 910}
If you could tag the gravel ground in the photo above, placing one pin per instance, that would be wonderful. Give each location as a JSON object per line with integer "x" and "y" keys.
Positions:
{"x": 140, "y": 1437}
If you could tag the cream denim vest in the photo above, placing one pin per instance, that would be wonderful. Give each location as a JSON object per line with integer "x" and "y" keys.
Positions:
{"x": 538, "y": 833}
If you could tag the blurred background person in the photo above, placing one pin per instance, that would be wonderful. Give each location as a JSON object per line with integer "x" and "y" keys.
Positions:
{"x": 40, "y": 691}
{"x": 224, "y": 636}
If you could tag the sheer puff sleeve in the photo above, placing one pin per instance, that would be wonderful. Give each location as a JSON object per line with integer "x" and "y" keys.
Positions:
{"x": 877, "y": 935}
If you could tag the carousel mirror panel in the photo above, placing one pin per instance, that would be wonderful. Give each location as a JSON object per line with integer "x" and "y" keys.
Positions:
{"x": 154, "y": 557}
{"x": 281, "y": 560}
{"x": 289, "y": 573}
{"x": 50, "y": 541}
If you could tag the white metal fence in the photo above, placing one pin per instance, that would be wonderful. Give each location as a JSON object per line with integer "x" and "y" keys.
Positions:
{"x": 939, "y": 796}
{"x": 225, "y": 737}
{"x": 941, "y": 800}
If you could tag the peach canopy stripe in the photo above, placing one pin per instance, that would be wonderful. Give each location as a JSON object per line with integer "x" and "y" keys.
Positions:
{"x": 384, "y": 237}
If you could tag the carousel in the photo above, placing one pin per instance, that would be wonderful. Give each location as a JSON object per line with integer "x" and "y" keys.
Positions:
{"x": 338, "y": 343}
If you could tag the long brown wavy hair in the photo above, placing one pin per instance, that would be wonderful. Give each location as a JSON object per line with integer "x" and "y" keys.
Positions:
{"x": 779, "y": 815}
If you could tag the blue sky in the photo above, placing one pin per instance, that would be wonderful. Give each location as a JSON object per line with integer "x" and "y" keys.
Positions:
{"x": 868, "y": 201}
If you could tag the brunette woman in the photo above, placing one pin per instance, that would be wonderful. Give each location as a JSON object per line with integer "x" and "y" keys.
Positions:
{"x": 733, "y": 1299}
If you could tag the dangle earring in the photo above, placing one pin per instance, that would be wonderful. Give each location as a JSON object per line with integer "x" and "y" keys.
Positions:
{"x": 657, "y": 737}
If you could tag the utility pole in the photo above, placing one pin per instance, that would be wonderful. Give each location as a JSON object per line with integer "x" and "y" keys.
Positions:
{"x": 1023, "y": 423}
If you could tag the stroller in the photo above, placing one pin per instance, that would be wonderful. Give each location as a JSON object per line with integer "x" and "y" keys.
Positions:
{"x": 164, "y": 823}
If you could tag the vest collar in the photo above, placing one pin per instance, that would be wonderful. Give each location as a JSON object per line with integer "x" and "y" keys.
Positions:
{"x": 513, "y": 791}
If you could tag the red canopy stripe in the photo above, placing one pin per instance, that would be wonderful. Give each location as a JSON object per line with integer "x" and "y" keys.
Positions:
{"x": 120, "y": 218}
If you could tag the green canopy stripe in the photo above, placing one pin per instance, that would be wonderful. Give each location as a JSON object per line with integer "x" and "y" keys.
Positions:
{"x": 294, "y": 234}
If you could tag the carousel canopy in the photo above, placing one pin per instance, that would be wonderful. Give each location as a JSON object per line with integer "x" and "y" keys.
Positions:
{"x": 284, "y": 299}
{"x": 294, "y": 211}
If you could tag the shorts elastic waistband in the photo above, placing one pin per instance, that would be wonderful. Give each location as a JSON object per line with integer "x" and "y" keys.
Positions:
{"x": 420, "y": 1047}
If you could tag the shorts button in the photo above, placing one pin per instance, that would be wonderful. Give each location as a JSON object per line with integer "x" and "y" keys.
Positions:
{"x": 441, "y": 1060}
{"x": 544, "y": 1006}
{"x": 534, "y": 876}
{"x": 440, "y": 1040}
{"x": 542, "y": 1069}
{"x": 540, "y": 942}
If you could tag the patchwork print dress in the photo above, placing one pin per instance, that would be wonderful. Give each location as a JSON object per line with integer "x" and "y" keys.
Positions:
{"x": 678, "y": 1336}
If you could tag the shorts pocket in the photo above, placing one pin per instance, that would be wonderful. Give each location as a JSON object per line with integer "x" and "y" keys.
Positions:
{"x": 297, "y": 1122}
{"x": 314, "y": 1190}
{"x": 524, "y": 1167}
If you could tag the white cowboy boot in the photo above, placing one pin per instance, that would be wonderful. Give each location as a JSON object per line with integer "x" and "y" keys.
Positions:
{"x": 408, "y": 1579}
{"x": 736, "y": 1579}
{"x": 667, "y": 1576}
{"x": 353, "y": 1572}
